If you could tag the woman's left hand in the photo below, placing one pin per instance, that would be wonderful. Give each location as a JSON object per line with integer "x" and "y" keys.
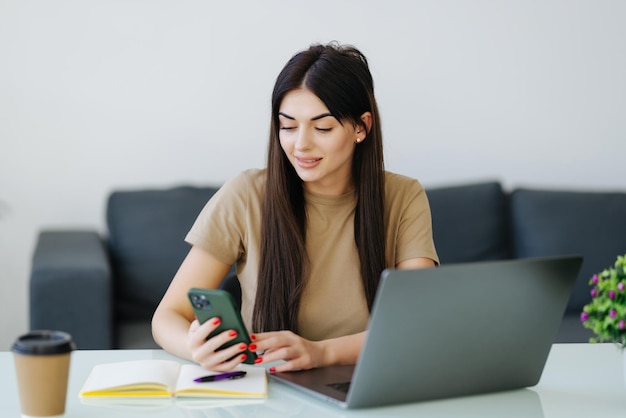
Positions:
{"x": 297, "y": 352}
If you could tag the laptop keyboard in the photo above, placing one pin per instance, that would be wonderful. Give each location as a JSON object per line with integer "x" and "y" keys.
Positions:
{"x": 341, "y": 386}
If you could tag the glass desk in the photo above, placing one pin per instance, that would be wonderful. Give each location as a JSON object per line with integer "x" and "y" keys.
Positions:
{"x": 579, "y": 380}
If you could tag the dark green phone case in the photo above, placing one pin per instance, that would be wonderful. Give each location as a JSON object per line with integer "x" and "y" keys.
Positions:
{"x": 209, "y": 303}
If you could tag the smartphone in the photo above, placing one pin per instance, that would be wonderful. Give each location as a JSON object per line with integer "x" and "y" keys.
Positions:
{"x": 209, "y": 303}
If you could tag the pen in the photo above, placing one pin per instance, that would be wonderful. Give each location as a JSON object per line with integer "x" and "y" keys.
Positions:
{"x": 221, "y": 376}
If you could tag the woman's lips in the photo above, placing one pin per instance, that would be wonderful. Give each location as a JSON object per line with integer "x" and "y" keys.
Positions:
{"x": 307, "y": 162}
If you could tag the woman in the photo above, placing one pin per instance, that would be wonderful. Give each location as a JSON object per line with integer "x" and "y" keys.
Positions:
{"x": 310, "y": 234}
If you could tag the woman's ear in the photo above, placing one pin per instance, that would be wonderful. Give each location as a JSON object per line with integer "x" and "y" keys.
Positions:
{"x": 366, "y": 120}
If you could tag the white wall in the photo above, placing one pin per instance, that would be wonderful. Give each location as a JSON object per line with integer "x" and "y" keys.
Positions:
{"x": 106, "y": 94}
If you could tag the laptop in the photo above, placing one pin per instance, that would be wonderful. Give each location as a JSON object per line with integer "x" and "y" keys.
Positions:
{"x": 451, "y": 331}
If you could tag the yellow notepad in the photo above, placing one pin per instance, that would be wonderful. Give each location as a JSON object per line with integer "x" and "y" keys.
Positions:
{"x": 168, "y": 378}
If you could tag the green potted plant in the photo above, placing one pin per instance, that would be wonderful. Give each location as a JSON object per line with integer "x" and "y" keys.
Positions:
{"x": 605, "y": 315}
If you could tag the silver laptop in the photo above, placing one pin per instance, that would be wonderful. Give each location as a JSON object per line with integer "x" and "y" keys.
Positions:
{"x": 451, "y": 331}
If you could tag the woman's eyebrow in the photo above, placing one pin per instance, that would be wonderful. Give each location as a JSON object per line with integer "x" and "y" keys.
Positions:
{"x": 318, "y": 117}
{"x": 286, "y": 116}
{"x": 323, "y": 115}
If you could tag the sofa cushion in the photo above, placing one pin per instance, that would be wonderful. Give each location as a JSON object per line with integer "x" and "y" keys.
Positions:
{"x": 470, "y": 222}
{"x": 550, "y": 223}
{"x": 146, "y": 243}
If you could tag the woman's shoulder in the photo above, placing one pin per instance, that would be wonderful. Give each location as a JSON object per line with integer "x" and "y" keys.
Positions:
{"x": 250, "y": 179}
{"x": 398, "y": 183}
{"x": 241, "y": 189}
{"x": 404, "y": 196}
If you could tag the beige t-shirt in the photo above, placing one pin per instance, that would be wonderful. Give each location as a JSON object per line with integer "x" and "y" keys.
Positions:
{"x": 333, "y": 303}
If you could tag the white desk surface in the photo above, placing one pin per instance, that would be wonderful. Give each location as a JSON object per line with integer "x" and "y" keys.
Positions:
{"x": 579, "y": 380}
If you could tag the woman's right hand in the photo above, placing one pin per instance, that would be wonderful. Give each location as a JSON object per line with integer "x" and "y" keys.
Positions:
{"x": 206, "y": 352}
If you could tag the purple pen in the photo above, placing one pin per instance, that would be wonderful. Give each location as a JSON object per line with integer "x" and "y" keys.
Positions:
{"x": 221, "y": 376}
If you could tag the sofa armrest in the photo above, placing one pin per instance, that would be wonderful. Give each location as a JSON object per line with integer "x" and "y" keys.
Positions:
{"x": 71, "y": 287}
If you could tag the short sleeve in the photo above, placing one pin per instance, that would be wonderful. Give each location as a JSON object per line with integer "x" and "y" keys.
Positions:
{"x": 221, "y": 226}
{"x": 409, "y": 222}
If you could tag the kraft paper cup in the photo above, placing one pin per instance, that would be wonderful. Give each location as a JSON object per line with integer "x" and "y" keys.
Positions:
{"x": 42, "y": 363}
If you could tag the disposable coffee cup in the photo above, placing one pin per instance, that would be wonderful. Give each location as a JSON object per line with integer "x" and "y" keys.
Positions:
{"x": 42, "y": 363}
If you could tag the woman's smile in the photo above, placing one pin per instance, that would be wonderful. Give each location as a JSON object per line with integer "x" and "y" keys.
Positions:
{"x": 308, "y": 162}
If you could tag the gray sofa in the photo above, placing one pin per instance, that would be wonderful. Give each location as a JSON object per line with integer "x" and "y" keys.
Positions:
{"x": 103, "y": 289}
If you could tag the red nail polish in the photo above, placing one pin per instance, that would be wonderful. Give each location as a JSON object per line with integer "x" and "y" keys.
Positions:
{"x": 243, "y": 357}
{"x": 242, "y": 346}
{"x": 272, "y": 369}
{"x": 252, "y": 337}
{"x": 252, "y": 347}
{"x": 216, "y": 321}
{"x": 258, "y": 360}
{"x": 232, "y": 333}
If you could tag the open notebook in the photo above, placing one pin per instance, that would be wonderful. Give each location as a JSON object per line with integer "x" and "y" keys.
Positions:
{"x": 169, "y": 378}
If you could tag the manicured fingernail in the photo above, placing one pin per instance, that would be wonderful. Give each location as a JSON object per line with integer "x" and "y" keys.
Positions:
{"x": 243, "y": 357}
{"x": 216, "y": 321}
{"x": 272, "y": 369}
{"x": 258, "y": 360}
{"x": 252, "y": 337}
{"x": 252, "y": 347}
{"x": 242, "y": 346}
{"x": 232, "y": 333}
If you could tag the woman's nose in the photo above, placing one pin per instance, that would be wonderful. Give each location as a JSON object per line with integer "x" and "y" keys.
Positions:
{"x": 303, "y": 140}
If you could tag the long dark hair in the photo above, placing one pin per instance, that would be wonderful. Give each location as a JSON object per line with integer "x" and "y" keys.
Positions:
{"x": 340, "y": 77}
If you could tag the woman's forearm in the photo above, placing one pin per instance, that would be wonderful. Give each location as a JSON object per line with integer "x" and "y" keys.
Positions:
{"x": 342, "y": 350}
{"x": 169, "y": 331}
{"x": 173, "y": 317}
